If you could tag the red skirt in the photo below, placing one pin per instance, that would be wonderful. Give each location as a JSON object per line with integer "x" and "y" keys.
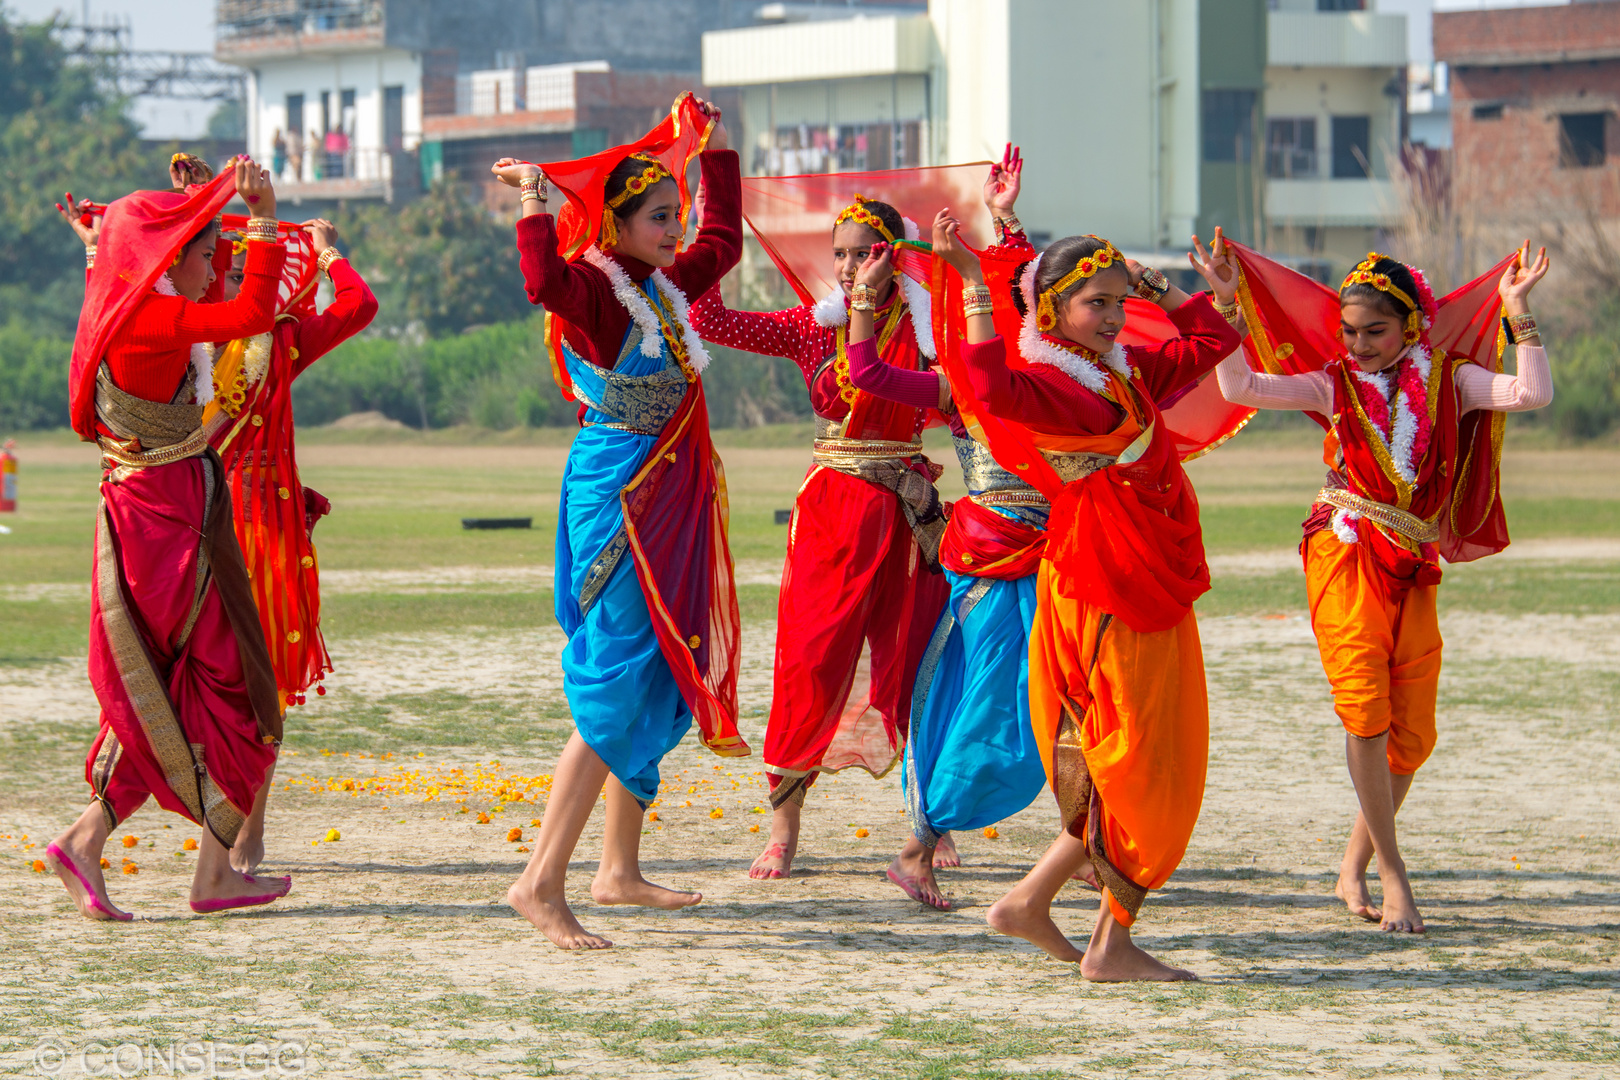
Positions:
{"x": 856, "y": 611}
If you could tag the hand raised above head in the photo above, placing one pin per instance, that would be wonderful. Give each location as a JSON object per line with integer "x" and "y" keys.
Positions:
{"x": 878, "y": 268}
{"x": 322, "y": 233}
{"x": 255, "y": 187}
{"x": 75, "y": 213}
{"x": 1005, "y": 181}
{"x": 948, "y": 245}
{"x": 1218, "y": 266}
{"x": 512, "y": 172}
{"x": 719, "y": 138}
{"x": 1521, "y": 276}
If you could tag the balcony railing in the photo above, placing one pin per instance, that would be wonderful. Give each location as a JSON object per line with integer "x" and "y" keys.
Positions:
{"x": 267, "y": 18}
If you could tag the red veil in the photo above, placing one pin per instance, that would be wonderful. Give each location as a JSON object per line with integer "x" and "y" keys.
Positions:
{"x": 675, "y": 141}
{"x": 1197, "y": 421}
{"x": 1294, "y": 327}
{"x": 296, "y": 296}
{"x": 140, "y": 236}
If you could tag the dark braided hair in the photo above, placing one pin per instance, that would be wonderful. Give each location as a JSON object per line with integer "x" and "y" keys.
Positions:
{"x": 1060, "y": 257}
{"x": 1398, "y": 275}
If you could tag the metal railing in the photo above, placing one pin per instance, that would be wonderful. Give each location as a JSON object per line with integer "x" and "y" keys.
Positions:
{"x": 353, "y": 163}
{"x": 262, "y": 18}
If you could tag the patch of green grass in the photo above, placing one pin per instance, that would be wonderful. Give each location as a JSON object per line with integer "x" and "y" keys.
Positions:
{"x": 39, "y": 631}
{"x": 536, "y": 724}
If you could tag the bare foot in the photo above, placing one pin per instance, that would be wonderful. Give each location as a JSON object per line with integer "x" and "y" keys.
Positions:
{"x": 1352, "y": 889}
{"x": 776, "y": 861}
{"x": 552, "y": 917}
{"x": 608, "y": 891}
{"x": 945, "y": 853}
{"x": 216, "y": 892}
{"x": 1400, "y": 909}
{"x": 1017, "y": 918}
{"x": 1122, "y": 961}
{"x": 248, "y": 852}
{"x": 913, "y": 871}
{"x": 81, "y": 874}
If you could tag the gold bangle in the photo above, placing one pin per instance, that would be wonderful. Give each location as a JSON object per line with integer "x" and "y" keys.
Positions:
{"x": 90, "y": 257}
{"x": 862, "y": 297}
{"x": 1008, "y": 224}
{"x": 1153, "y": 285}
{"x": 1523, "y": 326}
{"x": 533, "y": 189}
{"x": 976, "y": 300}
{"x": 264, "y": 230}
{"x": 1226, "y": 311}
{"x": 328, "y": 257}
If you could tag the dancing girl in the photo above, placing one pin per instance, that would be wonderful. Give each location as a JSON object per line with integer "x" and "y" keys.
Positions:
{"x": 645, "y": 590}
{"x": 1116, "y": 677}
{"x": 863, "y": 542}
{"x": 189, "y": 713}
{"x": 1413, "y": 437}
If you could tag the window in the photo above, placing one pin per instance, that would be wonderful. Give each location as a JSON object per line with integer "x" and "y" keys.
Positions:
{"x": 394, "y": 118}
{"x": 1341, "y": 5}
{"x": 1580, "y": 140}
{"x": 1491, "y": 110}
{"x": 1229, "y": 125}
{"x": 1291, "y": 147}
{"x": 295, "y": 114}
{"x": 1352, "y": 153}
{"x": 817, "y": 148}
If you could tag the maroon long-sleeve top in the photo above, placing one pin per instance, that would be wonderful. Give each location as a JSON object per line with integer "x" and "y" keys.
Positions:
{"x": 1049, "y": 400}
{"x": 352, "y": 308}
{"x": 582, "y": 295}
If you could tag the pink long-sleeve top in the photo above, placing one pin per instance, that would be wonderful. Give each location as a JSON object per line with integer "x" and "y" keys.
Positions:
{"x": 1049, "y": 400}
{"x": 1312, "y": 391}
{"x": 582, "y": 295}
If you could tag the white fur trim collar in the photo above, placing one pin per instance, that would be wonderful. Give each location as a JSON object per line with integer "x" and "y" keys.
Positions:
{"x": 832, "y": 310}
{"x": 202, "y": 353}
{"x": 641, "y": 310}
{"x": 1037, "y": 350}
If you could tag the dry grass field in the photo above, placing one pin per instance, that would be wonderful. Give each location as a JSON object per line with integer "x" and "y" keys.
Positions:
{"x": 396, "y": 956}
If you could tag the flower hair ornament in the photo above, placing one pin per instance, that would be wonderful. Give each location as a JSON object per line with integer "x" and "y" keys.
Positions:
{"x": 652, "y": 174}
{"x": 858, "y": 213}
{"x": 1037, "y": 348}
{"x": 1421, "y": 309}
{"x": 1099, "y": 260}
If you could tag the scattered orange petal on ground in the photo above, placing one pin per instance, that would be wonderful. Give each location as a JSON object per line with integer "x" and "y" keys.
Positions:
{"x": 862, "y": 834}
{"x": 535, "y": 823}
{"x": 190, "y": 844}
{"x": 105, "y": 864}
{"x": 523, "y": 849}
{"x": 652, "y": 815}
{"x": 131, "y": 868}
{"x": 483, "y": 818}
{"x": 990, "y": 832}
{"x": 39, "y": 866}
{"x": 131, "y": 841}
{"x": 753, "y": 828}
{"x": 333, "y": 834}
{"x": 717, "y": 813}
{"x": 514, "y": 834}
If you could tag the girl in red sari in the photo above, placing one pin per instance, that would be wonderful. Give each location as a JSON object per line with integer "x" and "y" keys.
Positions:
{"x": 1116, "y": 677}
{"x": 1413, "y": 435}
{"x": 863, "y": 544}
{"x": 644, "y": 586}
{"x": 177, "y": 657}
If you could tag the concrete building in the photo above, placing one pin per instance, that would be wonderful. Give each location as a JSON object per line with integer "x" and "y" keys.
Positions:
{"x": 373, "y": 98}
{"x": 1335, "y": 96}
{"x": 1142, "y": 121}
{"x": 1534, "y": 94}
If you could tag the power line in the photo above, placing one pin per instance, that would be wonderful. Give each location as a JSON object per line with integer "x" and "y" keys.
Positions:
{"x": 147, "y": 72}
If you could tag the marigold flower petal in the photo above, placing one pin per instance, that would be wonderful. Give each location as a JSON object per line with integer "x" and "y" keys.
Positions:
{"x": 333, "y": 834}
{"x": 131, "y": 841}
{"x": 862, "y": 834}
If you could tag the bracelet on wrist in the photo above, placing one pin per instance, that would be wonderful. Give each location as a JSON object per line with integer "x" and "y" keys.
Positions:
{"x": 1153, "y": 285}
{"x": 90, "y": 257}
{"x": 264, "y": 230}
{"x": 328, "y": 257}
{"x": 533, "y": 189}
{"x": 1520, "y": 327}
{"x": 862, "y": 297}
{"x": 1229, "y": 312}
{"x": 1005, "y": 226}
{"x": 976, "y": 301}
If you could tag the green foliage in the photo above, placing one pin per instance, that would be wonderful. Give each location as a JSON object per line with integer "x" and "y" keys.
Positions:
{"x": 33, "y": 379}
{"x": 494, "y": 376}
{"x": 228, "y": 121}
{"x": 1586, "y": 382}
{"x": 444, "y": 263}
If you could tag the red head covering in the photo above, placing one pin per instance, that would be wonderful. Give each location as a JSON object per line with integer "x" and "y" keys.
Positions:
{"x": 296, "y": 294}
{"x": 677, "y": 139}
{"x": 140, "y": 236}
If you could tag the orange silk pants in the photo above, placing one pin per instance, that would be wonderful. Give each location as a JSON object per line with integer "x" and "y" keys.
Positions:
{"x": 1382, "y": 655}
{"x": 1144, "y": 729}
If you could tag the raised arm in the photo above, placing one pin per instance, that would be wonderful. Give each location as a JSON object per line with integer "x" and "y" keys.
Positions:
{"x": 1310, "y": 391}
{"x": 719, "y": 237}
{"x": 922, "y": 389}
{"x": 351, "y": 311}
{"x": 1204, "y": 339}
{"x": 1532, "y": 387}
{"x": 574, "y": 291}
{"x": 176, "y": 320}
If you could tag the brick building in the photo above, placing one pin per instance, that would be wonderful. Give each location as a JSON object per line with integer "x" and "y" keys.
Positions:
{"x": 1535, "y": 93}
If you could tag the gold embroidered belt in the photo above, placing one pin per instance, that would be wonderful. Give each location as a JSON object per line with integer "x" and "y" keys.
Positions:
{"x": 1011, "y": 497}
{"x": 117, "y": 455}
{"x": 1070, "y": 467}
{"x": 1393, "y": 518}
{"x": 833, "y": 452}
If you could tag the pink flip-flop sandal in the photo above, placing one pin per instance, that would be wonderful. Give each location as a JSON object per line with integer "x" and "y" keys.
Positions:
{"x": 909, "y": 887}
{"x": 210, "y": 907}
{"x": 60, "y": 857}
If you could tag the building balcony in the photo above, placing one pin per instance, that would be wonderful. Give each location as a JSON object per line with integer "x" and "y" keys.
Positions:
{"x": 1356, "y": 39}
{"x": 1327, "y": 203}
{"x": 831, "y": 49}
{"x": 252, "y": 31}
{"x": 322, "y": 176}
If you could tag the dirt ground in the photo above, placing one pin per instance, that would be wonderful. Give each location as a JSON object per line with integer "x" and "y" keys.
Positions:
{"x": 396, "y": 956}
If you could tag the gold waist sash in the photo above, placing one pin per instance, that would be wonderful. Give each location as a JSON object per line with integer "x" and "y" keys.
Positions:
{"x": 833, "y": 452}
{"x": 1393, "y": 518}
{"x": 1071, "y": 467}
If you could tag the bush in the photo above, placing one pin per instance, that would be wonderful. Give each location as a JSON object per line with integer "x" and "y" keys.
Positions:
{"x": 1586, "y": 382}
{"x": 33, "y": 379}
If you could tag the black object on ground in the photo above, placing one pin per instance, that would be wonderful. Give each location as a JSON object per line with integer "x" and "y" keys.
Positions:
{"x": 784, "y": 517}
{"x": 497, "y": 523}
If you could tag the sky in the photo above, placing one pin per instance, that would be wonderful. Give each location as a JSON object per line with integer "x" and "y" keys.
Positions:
{"x": 188, "y": 26}
{"x": 178, "y": 25}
